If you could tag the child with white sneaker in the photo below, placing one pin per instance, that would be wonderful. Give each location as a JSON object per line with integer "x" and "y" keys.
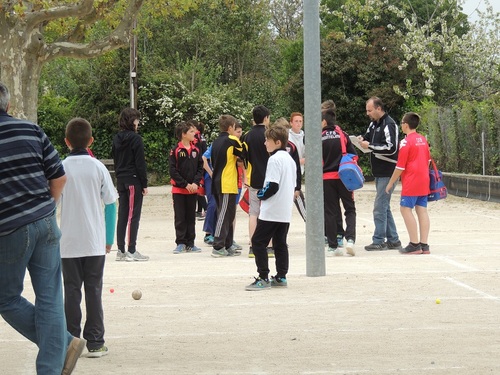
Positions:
{"x": 334, "y": 189}
{"x": 276, "y": 197}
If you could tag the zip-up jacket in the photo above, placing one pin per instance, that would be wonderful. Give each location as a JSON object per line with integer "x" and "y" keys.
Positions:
{"x": 383, "y": 136}
{"x": 257, "y": 155}
{"x": 186, "y": 167}
{"x": 128, "y": 156}
{"x": 332, "y": 151}
{"x": 226, "y": 151}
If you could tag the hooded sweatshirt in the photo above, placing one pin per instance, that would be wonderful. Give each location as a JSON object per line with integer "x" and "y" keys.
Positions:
{"x": 298, "y": 140}
{"x": 128, "y": 156}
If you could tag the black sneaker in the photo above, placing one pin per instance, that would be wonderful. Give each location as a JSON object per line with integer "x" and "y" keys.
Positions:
{"x": 425, "y": 248}
{"x": 411, "y": 249}
{"x": 376, "y": 247}
{"x": 394, "y": 245}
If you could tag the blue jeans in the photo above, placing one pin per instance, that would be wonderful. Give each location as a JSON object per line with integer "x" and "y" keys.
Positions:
{"x": 211, "y": 212}
{"x": 35, "y": 247}
{"x": 385, "y": 227}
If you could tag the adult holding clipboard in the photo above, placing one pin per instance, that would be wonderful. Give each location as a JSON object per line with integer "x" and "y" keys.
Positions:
{"x": 382, "y": 139}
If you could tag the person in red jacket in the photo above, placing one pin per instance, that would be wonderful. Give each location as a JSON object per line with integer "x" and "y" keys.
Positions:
{"x": 186, "y": 171}
{"x": 413, "y": 167}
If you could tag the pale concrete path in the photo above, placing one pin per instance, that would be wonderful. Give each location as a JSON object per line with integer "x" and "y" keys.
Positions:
{"x": 374, "y": 313}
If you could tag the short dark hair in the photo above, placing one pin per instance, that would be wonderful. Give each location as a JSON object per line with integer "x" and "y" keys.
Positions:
{"x": 127, "y": 118}
{"x": 412, "y": 119}
{"x": 259, "y": 113}
{"x": 329, "y": 116}
{"x": 182, "y": 128}
{"x": 4, "y": 97}
{"x": 197, "y": 124}
{"x": 78, "y": 133}
{"x": 278, "y": 133}
{"x": 225, "y": 121}
{"x": 237, "y": 125}
{"x": 377, "y": 102}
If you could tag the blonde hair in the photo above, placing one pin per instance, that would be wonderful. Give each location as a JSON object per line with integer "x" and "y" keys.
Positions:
{"x": 282, "y": 122}
{"x": 328, "y": 104}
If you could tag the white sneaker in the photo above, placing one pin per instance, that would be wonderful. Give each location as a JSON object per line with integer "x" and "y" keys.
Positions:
{"x": 350, "y": 248}
{"x": 330, "y": 252}
{"x": 120, "y": 256}
{"x": 137, "y": 256}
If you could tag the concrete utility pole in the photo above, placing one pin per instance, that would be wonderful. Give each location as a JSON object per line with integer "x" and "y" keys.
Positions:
{"x": 315, "y": 232}
{"x": 133, "y": 67}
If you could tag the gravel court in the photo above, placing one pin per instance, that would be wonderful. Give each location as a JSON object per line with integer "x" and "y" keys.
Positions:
{"x": 375, "y": 313}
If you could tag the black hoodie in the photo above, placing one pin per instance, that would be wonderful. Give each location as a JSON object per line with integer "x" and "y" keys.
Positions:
{"x": 128, "y": 156}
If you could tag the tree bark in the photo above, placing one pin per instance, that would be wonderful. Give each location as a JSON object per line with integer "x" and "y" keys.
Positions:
{"x": 24, "y": 50}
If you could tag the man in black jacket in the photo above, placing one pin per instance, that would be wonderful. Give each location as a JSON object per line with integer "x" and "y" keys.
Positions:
{"x": 382, "y": 138}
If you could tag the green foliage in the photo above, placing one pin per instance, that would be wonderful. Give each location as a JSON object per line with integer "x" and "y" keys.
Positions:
{"x": 54, "y": 112}
{"x": 157, "y": 144}
{"x": 351, "y": 72}
{"x": 455, "y": 135}
{"x": 103, "y": 132}
{"x": 447, "y": 122}
{"x": 468, "y": 138}
{"x": 166, "y": 102}
{"x": 225, "y": 56}
{"x": 290, "y": 72}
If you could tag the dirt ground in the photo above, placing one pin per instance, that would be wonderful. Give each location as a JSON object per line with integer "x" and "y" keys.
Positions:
{"x": 375, "y": 313}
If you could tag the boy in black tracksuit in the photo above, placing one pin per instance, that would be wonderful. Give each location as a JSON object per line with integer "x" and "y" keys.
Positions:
{"x": 226, "y": 151}
{"x": 131, "y": 183}
{"x": 333, "y": 188}
{"x": 186, "y": 171}
{"x": 257, "y": 164}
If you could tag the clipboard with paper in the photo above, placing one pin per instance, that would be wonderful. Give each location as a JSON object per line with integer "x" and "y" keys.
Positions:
{"x": 355, "y": 141}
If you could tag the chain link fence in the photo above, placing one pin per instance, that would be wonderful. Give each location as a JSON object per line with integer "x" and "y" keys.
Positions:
{"x": 465, "y": 138}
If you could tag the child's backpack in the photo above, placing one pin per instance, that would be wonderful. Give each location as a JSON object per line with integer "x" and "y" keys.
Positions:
{"x": 350, "y": 173}
{"x": 437, "y": 187}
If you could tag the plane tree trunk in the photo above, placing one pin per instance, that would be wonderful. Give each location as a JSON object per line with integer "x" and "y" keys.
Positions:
{"x": 24, "y": 49}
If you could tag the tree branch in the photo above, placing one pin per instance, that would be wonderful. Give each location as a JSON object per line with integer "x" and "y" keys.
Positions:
{"x": 78, "y": 10}
{"x": 116, "y": 39}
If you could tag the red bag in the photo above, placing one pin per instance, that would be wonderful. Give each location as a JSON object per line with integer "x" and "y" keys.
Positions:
{"x": 245, "y": 201}
{"x": 438, "y": 190}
